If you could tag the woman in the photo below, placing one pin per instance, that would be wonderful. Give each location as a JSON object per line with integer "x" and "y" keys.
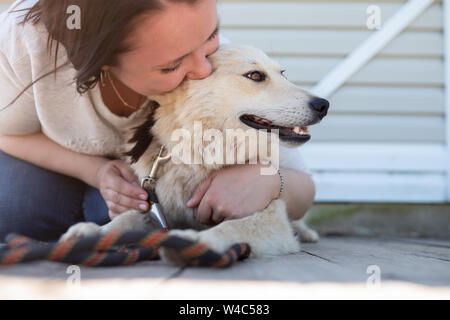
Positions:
{"x": 60, "y": 140}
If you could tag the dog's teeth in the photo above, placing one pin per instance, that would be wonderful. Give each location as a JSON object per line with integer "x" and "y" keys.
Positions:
{"x": 300, "y": 130}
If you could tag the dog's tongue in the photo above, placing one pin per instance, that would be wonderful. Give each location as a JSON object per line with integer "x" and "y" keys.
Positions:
{"x": 285, "y": 131}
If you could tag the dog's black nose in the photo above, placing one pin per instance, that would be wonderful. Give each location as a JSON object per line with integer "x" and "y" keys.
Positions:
{"x": 320, "y": 105}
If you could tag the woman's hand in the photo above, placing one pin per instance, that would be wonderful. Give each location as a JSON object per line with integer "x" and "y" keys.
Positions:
{"x": 119, "y": 186}
{"x": 234, "y": 193}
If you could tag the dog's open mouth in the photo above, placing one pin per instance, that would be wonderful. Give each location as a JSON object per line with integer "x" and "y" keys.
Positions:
{"x": 297, "y": 134}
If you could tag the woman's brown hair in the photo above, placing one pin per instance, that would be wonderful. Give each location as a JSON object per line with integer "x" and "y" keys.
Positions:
{"x": 105, "y": 26}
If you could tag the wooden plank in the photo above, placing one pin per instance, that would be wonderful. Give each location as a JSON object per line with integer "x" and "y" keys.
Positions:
{"x": 375, "y": 157}
{"x": 379, "y": 72}
{"x": 336, "y": 267}
{"x": 338, "y": 260}
{"x": 379, "y": 128}
{"x": 58, "y": 271}
{"x": 216, "y": 284}
{"x": 316, "y": 15}
{"x": 426, "y": 243}
{"x": 380, "y": 187}
{"x": 301, "y": 267}
{"x": 338, "y": 43}
{"x": 397, "y": 260}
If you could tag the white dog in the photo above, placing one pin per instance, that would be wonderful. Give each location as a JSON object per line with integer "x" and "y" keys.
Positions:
{"x": 246, "y": 91}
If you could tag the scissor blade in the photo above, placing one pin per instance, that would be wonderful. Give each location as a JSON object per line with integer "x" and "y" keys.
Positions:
{"x": 157, "y": 212}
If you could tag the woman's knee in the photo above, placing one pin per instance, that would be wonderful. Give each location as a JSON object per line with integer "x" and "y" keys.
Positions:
{"x": 36, "y": 202}
{"x": 94, "y": 207}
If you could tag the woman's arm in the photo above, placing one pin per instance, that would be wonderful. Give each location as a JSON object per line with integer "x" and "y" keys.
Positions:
{"x": 299, "y": 193}
{"x": 113, "y": 178}
{"x": 241, "y": 190}
{"x": 45, "y": 153}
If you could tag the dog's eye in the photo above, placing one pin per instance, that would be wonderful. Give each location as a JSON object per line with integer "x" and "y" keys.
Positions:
{"x": 256, "y": 76}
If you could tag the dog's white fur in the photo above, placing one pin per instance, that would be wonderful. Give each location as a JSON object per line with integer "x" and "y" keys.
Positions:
{"x": 218, "y": 101}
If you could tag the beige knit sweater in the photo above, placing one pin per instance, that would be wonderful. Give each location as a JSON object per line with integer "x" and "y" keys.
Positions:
{"x": 81, "y": 123}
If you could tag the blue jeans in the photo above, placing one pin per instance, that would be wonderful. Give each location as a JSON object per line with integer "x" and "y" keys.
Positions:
{"x": 43, "y": 204}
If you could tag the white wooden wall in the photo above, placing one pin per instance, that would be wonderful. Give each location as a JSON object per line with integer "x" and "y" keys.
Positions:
{"x": 385, "y": 137}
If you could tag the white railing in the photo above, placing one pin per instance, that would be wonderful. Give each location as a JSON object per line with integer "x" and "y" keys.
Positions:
{"x": 370, "y": 47}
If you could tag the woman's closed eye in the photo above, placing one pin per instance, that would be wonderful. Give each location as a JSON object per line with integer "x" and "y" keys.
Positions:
{"x": 215, "y": 34}
{"x": 169, "y": 70}
{"x": 173, "y": 69}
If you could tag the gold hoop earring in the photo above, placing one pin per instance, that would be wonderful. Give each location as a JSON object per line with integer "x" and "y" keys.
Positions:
{"x": 102, "y": 78}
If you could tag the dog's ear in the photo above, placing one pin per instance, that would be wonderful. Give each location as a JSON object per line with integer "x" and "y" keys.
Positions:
{"x": 142, "y": 136}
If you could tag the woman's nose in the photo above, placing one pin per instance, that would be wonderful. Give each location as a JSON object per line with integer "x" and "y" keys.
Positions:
{"x": 201, "y": 68}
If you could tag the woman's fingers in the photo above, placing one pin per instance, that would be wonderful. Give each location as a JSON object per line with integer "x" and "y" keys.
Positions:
{"x": 120, "y": 188}
{"x": 126, "y": 182}
{"x": 204, "y": 212}
{"x": 115, "y": 209}
{"x": 199, "y": 192}
{"x": 218, "y": 216}
{"x": 123, "y": 187}
{"x": 120, "y": 202}
{"x": 126, "y": 172}
{"x": 123, "y": 195}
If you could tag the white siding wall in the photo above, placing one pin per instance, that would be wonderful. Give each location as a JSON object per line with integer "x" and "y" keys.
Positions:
{"x": 385, "y": 137}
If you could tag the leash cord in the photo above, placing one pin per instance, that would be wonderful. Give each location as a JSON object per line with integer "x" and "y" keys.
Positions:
{"x": 118, "y": 249}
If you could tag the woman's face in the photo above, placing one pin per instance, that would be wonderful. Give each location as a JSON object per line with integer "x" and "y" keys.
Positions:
{"x": 170, "y": 45}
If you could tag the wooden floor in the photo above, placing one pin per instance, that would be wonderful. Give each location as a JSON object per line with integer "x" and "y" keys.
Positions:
{"x": 336, "y": 267}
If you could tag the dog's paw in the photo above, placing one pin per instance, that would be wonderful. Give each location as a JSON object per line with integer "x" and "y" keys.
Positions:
{"x": 309, "y": 236}
{"x": 304, "y": 233}
{"x": 186, "y": 234}
{"x": 81, "y": 230}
